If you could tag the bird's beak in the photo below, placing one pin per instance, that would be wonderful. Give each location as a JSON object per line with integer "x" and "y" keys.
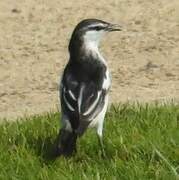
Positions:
{"x": 114, "y": 27}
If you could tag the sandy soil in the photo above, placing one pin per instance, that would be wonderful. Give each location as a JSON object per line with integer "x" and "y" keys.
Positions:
{"x": 144, "y": 59}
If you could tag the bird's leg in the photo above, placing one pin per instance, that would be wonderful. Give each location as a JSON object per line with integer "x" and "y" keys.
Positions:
{"x": 100, "y": 140}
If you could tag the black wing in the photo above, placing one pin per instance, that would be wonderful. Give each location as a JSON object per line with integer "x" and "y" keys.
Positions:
{"x": 82, "y": 97}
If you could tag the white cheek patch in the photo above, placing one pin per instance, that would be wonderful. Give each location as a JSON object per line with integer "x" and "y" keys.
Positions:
{"x": 93, "y": 36}
{"x": 91, "y": 42}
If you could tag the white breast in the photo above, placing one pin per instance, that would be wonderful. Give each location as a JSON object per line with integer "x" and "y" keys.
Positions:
{"x": 107, "y": 81}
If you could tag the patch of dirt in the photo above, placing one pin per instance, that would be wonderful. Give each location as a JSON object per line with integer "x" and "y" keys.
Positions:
{"x": 143, "y": 59}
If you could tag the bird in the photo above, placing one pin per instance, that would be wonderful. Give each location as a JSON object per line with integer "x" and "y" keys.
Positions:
{"x": 84, "y": 86}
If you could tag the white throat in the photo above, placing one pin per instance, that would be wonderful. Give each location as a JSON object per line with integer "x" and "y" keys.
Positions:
{"x": 91, "y": 43}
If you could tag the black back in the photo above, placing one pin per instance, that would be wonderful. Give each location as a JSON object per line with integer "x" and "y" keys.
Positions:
{"x": 88, "y": 75}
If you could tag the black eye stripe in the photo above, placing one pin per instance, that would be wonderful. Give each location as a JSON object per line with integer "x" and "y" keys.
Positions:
{"x": 96, "y": 28}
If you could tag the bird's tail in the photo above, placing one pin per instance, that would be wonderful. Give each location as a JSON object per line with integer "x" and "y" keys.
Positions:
{"x": 66, "y": 143}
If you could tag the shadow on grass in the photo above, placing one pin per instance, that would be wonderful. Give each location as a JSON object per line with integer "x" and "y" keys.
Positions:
{"x": 44, "y": 148}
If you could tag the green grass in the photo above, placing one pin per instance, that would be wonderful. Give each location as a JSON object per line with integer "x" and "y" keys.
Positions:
{"x": 141, "y": 142}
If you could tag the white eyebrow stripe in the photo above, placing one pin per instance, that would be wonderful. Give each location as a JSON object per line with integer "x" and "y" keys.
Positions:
{"x": 98, "y": 24}
{"x": 72, "y": 95}
{"x": 93, "y": 105}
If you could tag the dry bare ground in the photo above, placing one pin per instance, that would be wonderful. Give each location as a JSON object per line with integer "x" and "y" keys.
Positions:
{"x": 34, "y": 35}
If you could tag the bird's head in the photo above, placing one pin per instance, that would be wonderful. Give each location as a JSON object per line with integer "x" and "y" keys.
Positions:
{"x": 89, "y": 33}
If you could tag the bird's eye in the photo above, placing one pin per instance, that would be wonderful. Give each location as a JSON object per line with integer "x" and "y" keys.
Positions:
{"x": 98, "y": 28}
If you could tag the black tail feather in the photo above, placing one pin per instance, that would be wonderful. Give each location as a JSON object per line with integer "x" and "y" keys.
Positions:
{"x": 66, "y": 143}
